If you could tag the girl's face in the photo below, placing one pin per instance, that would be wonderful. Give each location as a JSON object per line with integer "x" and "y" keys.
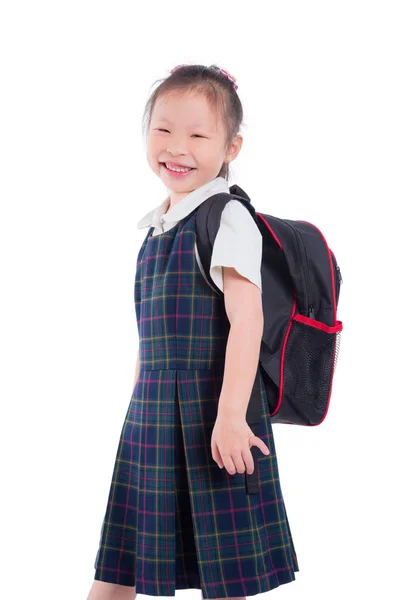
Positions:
{"x": 185, "y": 131}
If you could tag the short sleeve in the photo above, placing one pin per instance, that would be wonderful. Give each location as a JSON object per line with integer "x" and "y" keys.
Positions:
{"x": 238, "y": 244}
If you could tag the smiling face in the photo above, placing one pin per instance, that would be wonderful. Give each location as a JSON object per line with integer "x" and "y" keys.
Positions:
{"x": 184, "y": 130}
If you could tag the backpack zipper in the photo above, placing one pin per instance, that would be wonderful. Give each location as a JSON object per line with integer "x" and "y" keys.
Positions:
{"x": 304, "y": 262}
{"x": 339, "y": 274}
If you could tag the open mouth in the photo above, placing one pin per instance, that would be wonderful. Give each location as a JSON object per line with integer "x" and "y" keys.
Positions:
{"x": 171, "y": 171}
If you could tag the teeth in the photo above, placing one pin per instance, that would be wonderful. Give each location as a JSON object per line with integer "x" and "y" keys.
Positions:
{"x": 179, "y": 169}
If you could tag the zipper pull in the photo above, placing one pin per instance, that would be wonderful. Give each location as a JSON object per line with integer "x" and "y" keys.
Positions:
{"x": 340, "y": 275}
{"x": 311, "y": 314}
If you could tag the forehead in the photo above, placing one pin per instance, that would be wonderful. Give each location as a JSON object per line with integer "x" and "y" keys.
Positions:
{"x": 191, "y": 108}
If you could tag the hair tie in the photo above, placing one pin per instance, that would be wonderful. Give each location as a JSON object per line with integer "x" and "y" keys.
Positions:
{"x": 176, "y": 68}
{"x": 222, "y": 71}
{"x": 229, "y": 76}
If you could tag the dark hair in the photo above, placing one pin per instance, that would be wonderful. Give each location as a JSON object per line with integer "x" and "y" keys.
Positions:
{"x": 218, "y": 89}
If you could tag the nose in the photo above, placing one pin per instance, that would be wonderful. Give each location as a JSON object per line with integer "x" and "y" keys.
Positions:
{"x": 178, "y": 150}
{"x": 177, "y": 145}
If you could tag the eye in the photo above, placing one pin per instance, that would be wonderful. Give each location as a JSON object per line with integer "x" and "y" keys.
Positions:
{"x": 195, "y": 134}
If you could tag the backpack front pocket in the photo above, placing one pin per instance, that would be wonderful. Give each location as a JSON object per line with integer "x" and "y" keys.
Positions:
{"x": 308, "y": 364}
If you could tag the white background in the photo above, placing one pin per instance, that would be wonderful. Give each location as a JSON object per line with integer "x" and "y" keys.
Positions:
{"x": 319, "y": 83}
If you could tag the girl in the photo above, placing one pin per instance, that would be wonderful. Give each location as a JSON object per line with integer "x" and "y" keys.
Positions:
{"x": 178, "y": 514}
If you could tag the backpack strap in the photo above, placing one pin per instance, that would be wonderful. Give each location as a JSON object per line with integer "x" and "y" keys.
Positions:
{"x": 208, "y": 219}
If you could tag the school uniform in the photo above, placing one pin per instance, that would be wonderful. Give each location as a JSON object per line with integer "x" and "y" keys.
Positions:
{"x": 238, "y": 242}
{"x": 175, "y": 520}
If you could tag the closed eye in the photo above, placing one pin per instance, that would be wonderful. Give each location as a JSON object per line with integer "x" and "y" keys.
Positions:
{"x": 196, "y": 134}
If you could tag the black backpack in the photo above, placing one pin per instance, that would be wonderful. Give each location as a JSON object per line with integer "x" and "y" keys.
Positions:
{"x": 301, "y": 284}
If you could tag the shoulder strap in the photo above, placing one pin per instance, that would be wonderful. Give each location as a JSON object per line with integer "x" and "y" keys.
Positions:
{"x": 208, "y": 218}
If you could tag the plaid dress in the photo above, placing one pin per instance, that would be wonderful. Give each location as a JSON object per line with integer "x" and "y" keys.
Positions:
{"x": 175, "y": 520}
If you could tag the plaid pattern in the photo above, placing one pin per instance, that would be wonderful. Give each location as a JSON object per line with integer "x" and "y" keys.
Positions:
{"x": 174, "y": 519}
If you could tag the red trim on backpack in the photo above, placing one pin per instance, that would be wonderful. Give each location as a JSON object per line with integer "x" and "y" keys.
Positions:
{"x": 272, "y": 232}
{"x": 318, "y": 325}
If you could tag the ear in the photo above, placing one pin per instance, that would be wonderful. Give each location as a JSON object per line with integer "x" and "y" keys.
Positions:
{"x": 234, "y": 148}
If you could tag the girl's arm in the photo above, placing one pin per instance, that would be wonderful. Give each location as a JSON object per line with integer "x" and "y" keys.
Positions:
{"x": 243, "y": 304}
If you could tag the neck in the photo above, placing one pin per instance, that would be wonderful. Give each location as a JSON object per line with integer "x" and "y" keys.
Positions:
{"x": 175, "y": 199}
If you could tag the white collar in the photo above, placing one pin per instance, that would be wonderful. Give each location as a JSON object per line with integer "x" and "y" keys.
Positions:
{"x": 184, "y": 206}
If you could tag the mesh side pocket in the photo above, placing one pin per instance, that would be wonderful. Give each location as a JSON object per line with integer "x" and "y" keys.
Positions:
{"x": 310, "y": 360}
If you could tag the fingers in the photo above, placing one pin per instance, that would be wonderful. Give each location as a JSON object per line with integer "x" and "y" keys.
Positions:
{"x": 215, "y": 453}
{"x": 239, "y": 462}
{"x": 248, "y": 458}
{"x": 256, "y": 441}
{"x": 234, "y": 463}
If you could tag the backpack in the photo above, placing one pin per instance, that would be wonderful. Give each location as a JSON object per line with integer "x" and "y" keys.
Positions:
{"x": 301, "y": 284}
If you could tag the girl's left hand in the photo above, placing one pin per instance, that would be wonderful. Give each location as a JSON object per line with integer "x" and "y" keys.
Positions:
{"x": 231, "y": 441}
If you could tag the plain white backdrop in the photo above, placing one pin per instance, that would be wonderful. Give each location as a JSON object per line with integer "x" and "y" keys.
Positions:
{"x": 319, "y": 84}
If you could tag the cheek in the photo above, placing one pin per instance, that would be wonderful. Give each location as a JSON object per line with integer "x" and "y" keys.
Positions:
{"x": 153, "y": 149}
{"x": 211, "y": 155}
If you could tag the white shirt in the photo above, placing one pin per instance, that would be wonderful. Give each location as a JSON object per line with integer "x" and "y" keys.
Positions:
{"x": 238, "y": 242}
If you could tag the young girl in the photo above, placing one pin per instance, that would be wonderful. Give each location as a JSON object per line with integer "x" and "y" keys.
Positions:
{"x": 178, "y": 514}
